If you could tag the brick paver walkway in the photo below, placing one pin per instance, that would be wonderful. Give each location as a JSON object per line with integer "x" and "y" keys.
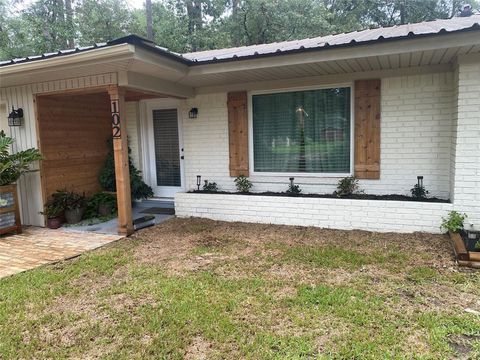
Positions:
{"x": 38, "y": 246}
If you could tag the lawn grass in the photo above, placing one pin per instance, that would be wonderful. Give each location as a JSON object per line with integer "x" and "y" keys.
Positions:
{"x": 199, "y": 289}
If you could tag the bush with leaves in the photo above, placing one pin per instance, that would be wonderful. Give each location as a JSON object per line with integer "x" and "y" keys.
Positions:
{"x": 243, "y": 184}
{"x": 139, "y": 190}
{"x": 100, "y": 198}
{"x": 12, "y": 166}
{"x": 210, "y": 186}
{"x": 419, "y": 191}
{"x": 453, "y": 222}
{"x": 293, "y": 189}
{"x": 347, "y": 186}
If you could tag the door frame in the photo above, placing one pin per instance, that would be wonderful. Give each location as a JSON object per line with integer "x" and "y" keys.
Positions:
{"x": 148, "y": 141}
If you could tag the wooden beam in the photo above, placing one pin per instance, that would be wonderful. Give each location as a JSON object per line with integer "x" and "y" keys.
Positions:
{"x": 154, "y": 85}
{"x": 120, "y": 150}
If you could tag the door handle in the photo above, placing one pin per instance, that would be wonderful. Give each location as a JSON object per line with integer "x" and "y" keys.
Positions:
{"x": 182, "y": 157}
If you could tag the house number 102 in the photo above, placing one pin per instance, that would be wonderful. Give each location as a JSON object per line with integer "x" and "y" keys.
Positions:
{"x": 115, "y": 120}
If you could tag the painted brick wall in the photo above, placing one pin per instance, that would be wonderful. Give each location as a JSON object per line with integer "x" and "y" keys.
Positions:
{"x": 382, "y": 216}
{"x": 415, "y": 140}
{"x": 466, "y": 168}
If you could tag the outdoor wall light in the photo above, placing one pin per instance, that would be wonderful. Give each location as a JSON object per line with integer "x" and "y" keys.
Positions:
{"x": 193, "y": 113}
{"x": 199, "y": 181}
{"x": 292, "y": 181}
{"x": 15, "y": 117}
{"x": 420, "y": 181}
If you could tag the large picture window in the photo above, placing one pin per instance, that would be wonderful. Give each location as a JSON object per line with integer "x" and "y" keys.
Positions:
{"x": 302, "y": 131}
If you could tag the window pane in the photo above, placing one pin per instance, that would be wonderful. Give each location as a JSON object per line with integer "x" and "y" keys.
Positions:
{"x": 302, "y": 131}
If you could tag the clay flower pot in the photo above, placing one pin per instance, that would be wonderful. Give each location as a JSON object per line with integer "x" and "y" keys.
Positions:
{"x": 54, "y": 223}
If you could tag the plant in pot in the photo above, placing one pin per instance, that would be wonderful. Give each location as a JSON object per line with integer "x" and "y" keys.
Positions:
{"x": 454, "y": 223}
{"x": 139, "y": 190}
{"x": 101, "y": 204}
{"x": 12, "y": 166}
{"x": 54, "y": 213}
{"x": 73, "y": 203}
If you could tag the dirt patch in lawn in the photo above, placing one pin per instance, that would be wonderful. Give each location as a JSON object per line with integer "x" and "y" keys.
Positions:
{"x": 193, "y": 244}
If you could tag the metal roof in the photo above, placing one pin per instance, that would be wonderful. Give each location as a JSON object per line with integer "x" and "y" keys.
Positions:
{"x": 400, "y": 32}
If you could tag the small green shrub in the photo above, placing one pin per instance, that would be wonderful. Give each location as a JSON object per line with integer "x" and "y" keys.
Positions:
{"x": 243, "y": 184}
{"x": 138, "y": 188}
{"x": 100, "y": 198}
{"x": 210, "y": 186}
{"x": 347, "y": 186}
{"x": 52, "y": 210}
{"x": 293, "y": 189}
{"x": 68, "y": 200}
{"x": 453, "y": 222}
{"x": 419, "y": 191}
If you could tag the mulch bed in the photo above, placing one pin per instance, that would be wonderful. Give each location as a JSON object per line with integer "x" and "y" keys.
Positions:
{"x": 390, "y": 197}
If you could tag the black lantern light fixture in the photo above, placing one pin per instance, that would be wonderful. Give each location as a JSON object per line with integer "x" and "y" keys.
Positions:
{"x": 193, "y": 113}
{"x": 420, "y": 181}
{"x": 15, "y": 117}
{"x": 292, "y": 179}
{"x": 199, "y": 181}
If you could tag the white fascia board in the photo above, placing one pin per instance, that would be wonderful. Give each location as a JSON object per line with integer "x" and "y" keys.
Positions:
{"x": 115, "y": 52}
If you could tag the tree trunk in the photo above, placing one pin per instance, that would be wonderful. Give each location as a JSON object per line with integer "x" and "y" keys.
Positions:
{"x": 148, "y": 8}
{"x": 195, "y": 21}
{"x": 69, "y": 20}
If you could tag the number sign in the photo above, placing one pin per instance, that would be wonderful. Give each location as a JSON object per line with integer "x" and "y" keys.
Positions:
{"x": 116, "y": 120}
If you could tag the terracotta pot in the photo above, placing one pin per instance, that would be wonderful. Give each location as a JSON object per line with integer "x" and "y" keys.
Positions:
{"x": 54, "y": 223}
{"x": 74, "y": 216}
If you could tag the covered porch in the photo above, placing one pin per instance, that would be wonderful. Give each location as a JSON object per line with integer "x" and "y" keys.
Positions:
{"x": 74, "y": 128}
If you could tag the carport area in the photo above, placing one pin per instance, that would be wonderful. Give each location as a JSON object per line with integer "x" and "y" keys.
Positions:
{"x": 39, "y": 246}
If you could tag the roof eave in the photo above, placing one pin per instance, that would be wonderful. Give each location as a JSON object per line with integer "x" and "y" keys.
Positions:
{"x": 351, "y": 44}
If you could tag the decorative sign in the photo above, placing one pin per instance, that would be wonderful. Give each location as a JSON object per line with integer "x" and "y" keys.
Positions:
{"x": 116, "y": 120}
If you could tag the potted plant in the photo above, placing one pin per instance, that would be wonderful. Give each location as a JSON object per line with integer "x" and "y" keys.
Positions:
{"x": 12, "y": 166}
{"x": 74, "y": 207}
{"x": 54, "y": 213}
{"x": 101, "y": 204}
{"x": 453, "y": 223}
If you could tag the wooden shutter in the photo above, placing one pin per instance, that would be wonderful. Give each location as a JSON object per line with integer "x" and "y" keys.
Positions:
{"x": 367, "y": 129}
{"x": 238, "y": 133}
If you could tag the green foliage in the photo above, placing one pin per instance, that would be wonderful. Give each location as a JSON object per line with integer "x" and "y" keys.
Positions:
{"x": 52, "y": 210}
{"x": 454, "y": 221}
{"x": 192, "y": 25}
{"x": 243, "y": 184}
{"x": 12, "y": 166}
{"x": 293, "y": 189}
{"x": 68, "y": 200}
{"x": 100, "y": 198}
{"x": 419, "y": 191}
{"x": 139, "y": 190}
{"x": 103, "y": 20}
{"x": 347, "y": 186}
{"x": 210, "y": 186}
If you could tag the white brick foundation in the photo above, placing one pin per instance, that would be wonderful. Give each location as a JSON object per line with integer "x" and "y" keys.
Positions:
{"x": 372, "y": 215}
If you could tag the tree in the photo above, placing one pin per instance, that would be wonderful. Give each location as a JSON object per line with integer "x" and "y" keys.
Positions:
{"x": 148, "y": 8}
{"x": 102, "y": 20}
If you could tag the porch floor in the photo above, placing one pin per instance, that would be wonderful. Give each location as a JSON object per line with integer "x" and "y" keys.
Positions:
{"x": 139, "y": 209}
{"x": 39, "y": 246}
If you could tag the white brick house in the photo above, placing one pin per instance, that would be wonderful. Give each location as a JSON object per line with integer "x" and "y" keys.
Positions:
{"x": 427, "y": 123}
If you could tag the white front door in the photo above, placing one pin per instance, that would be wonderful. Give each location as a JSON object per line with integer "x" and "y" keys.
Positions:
{"x": 166, "y": 150}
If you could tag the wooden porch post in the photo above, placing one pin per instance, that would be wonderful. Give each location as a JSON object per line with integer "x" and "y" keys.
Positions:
{"x": 120, "y": 150}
